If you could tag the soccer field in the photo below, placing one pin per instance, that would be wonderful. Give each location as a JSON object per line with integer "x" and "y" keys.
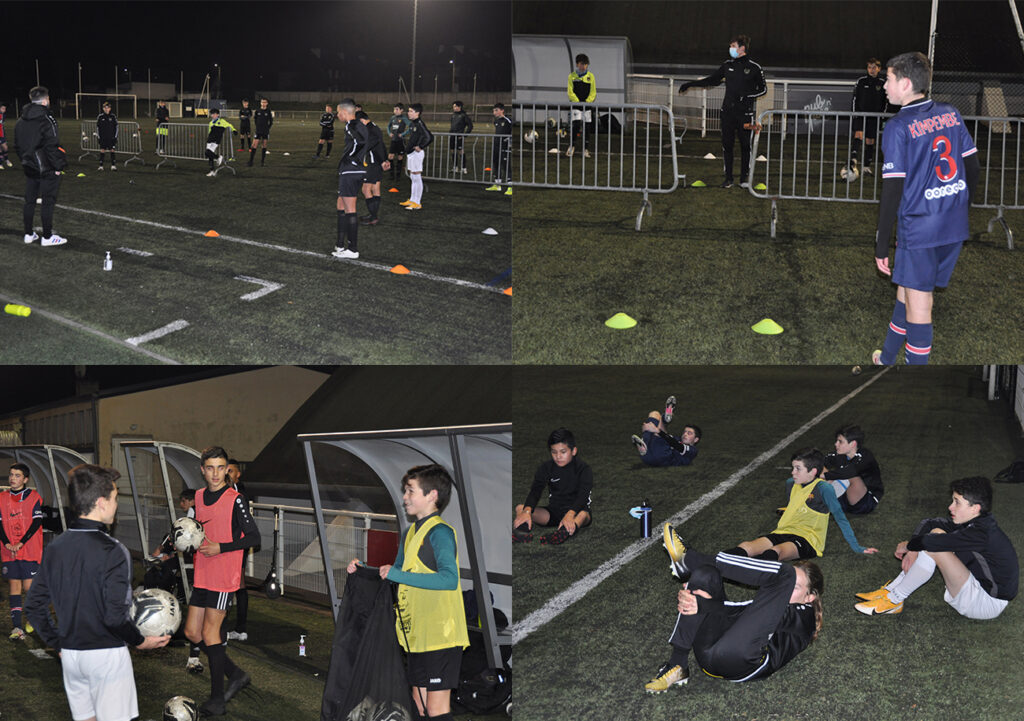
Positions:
{"x": 704, "y": 269}
{"x": 177, "y": 295}
{"x": 594, "y": 615}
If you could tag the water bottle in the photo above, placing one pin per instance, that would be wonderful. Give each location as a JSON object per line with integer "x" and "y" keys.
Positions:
{"x": 302, "y": 645}
{"x": 108, "y": 263}
{"x": 645, "y": 519}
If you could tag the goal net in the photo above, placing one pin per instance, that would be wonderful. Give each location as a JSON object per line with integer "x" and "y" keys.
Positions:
{"x": 90, "y": 105}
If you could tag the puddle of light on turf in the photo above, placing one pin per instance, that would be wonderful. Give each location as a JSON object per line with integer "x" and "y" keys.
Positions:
{"x": 562, "y": 601}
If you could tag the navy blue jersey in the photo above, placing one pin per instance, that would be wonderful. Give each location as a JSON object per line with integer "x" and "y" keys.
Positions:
{"x": 925, "y": 143}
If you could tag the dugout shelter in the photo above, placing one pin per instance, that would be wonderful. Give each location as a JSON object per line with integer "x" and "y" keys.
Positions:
{"x": 48, "y": 472}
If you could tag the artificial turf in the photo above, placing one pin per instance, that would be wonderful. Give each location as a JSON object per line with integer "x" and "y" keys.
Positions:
{"x": 704, "y": 269}
{"x": 449, "y": 310}
{"x": 926, "y": 426}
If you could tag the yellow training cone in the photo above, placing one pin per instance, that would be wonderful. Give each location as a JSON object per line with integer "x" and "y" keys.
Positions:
{"x": 212, "y": 234}
{"x": 698, "y": 184}
{"x": 507, "y": 291}
{"x": 80, "y": 175}
{"x": 766, "y": 327}
{"x": 760, "y": 186}
{"x": 620, "y": 321}
{"x": 23, "y": 310}
{"x": 400, "y": 270}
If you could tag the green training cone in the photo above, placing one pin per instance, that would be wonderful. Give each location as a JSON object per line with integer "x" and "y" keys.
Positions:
{"x": 766, "y": 327}
{"x": 80, "y": 175}
{"x": 760, "y": 186}
{"x": 620, "y": 321}
{"x": 698, "y": 184}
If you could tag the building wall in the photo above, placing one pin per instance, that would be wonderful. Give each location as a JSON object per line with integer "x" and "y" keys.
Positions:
{"x": 240, "y": 412}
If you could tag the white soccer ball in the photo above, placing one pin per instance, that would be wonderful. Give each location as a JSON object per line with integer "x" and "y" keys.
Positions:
{"x": 155, "y": 612}
{"x": 530, "y": 136}
{"x": 849, "y": 174}
{"x": 180, "y": 708}
{"x": 187, "y": 534}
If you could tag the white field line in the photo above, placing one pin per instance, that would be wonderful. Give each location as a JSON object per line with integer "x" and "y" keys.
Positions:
{"x": 561, "y": 601}
{"x": 92, "y": 331}
{"x": 158, "y": 333}
{"x": 267, "y": 286}
{"x": 132, "y": 251}
{"x": 273, "y": 246}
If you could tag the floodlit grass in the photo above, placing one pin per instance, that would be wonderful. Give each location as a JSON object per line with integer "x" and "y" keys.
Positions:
{"x": 327, "y": 310}
{"x": 926, "y": 426}
{"x": 704, "y": 269}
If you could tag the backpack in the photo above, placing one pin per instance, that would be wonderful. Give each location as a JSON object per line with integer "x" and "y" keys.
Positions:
{"x": 489, "y": 691}
{"x": 1013, "y": 473}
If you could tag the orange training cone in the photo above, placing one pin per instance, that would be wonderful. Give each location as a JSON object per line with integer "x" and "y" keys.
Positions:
{"x": 212, "y": 234}
{"x": 507, "y": 291}
{"x": 400, "y": 270}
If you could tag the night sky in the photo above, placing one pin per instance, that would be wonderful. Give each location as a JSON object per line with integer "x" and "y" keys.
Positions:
{"x": 283, "y": 45}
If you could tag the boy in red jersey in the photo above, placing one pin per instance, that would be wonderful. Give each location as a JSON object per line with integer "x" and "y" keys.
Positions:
{"x": 230, "y": 529}
{"x": 21, "y": 540}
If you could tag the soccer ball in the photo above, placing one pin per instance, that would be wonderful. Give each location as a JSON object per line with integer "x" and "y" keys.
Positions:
{"x": 180, "y": 708}
{"x": 155, "y": 612}
{"x": 530, "y": 136}
{"x": 849, "y": 174}
{"x": 389, "y": 711}
{"x": 187, "y": 535}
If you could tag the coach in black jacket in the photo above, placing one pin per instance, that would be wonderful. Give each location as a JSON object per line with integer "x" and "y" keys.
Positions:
{"x": 42, "y": 158}
{"x": 87, "y": 575}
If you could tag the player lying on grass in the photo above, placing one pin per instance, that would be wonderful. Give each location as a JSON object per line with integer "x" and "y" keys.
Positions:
{"x": 804, "y": 523}
{"x": 659, "y": 448}
{"x": 853, "y": 472}
{"x": 977, "y": 561}
{"x": 569, "y": 482}
{"x": 738, "y": 641}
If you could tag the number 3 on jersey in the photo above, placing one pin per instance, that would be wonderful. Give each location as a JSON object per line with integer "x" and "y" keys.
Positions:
{"x": 944, "y": 155}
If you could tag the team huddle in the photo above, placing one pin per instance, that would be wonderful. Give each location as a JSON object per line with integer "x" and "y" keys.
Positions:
{"x": 753, "y": 639}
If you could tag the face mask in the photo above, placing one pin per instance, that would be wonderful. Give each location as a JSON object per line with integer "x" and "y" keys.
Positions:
{"x": 734, "y": 53}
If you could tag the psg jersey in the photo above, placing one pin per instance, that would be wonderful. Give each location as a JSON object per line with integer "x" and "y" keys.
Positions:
{"x": 925, "y": 143}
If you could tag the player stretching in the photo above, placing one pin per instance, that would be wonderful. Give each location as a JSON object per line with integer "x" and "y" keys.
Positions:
{"x": 326, "y": 132}
{"x": 501, "y": 149}
{"x": 376, "y": 163}
{"x": 263, "y": 118}
{"x": 245, "y": 125}
{"x": 230, "y": 529}
{"x": 419, "y": 138}
{"x": 931, "y": 168}
{"x": 350, "y": 180}
{"x": 106, "y": 131}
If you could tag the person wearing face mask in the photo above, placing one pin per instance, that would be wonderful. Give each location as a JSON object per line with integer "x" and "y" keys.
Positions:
{"x": 582, "y": 88}
{"x": 744, "y": 81}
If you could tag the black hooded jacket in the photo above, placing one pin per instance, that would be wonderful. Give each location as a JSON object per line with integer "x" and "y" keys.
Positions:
{"x": 35, "y": 140}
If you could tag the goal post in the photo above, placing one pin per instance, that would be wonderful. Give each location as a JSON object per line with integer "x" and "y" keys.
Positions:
{"x": 90, "y": 105}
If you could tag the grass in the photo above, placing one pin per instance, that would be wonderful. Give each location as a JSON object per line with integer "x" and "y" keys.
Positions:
{"x": 449, "y": 311}
{"x": 926, "y": 428}
{"x": 705, "y": 269}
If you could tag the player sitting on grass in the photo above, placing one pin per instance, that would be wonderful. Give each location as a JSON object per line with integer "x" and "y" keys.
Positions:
{"x": 569, "y": 482}
{"x": 659, "y": 448}
{"x": 977, "y": 561}
{"x": 738, "y": 641}
{"x": 431, "y": 623}
{"x": 804, "y": 523}
{"x": 853, "y": 472}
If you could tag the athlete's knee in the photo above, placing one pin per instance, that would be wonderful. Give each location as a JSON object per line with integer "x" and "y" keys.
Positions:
{"x": 706, "y": 578}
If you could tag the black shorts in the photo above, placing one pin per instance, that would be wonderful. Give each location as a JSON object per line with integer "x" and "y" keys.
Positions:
{"x": 262, "y": 136}
{"x": 244, "y": 128}
{"x": 868, "y": 125}
{"x": 327, "y": 133}
{"x": 557, "y": 513}
{"x": 397, "y": 147}
{"x": 374, "y": 174}
{"x": 865, "y": 505}
{"x": 435, "y": 670}
{"x": 108, "y": 143}
{"x": 803, "y": 546}
{"x": 205, "y": 598}
{"x": 350, "y": 182}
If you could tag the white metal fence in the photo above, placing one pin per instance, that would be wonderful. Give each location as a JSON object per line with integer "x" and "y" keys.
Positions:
{"x": 449, "y": 153}
{"x": 129, "y": 140}
{"x": 187, "y": 141}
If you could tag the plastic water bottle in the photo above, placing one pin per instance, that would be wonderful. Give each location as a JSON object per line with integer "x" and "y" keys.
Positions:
{"x": 302, "y": 645}
{"x": 108, "y": 263}
{"x": 645, "y": 519}
{"x": 14, "y": 309}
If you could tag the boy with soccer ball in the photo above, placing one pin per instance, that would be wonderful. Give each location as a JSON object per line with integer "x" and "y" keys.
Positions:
{"x": 87, "y": 576}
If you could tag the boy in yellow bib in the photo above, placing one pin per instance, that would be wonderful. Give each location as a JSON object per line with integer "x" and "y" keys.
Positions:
{"x": 802, "y": 528}
{"x": 432, "y": 619}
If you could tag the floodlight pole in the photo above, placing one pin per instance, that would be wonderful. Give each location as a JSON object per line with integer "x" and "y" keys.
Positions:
{"x": 79, "y": 79}
{"x": 412, "y": 85}
{"x": 931, "y": 42}
{"x": 37, "y": 72}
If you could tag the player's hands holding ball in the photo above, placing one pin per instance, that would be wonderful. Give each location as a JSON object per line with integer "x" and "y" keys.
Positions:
{"x": 153, "y": 642}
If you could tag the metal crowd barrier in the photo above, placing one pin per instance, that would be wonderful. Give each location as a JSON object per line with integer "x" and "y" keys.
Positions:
{"x": 626, "y": 147}
{"x": 808, "y": 158}
{"x": 187, "y": 141}
{"x": 441, "y": 162}
{"x": 129, "y": 140}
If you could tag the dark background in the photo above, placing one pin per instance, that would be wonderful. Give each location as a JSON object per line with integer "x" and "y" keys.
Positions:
{"x": 296, "y": 45}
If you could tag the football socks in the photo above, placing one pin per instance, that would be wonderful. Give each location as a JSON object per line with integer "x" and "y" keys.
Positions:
{"x": 896, "y": 334}
{"x": 919, "y": 343}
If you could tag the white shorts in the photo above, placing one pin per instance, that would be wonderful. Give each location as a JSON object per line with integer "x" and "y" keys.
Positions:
{"x": 100, "y": 682}
{"x": 414, "y": 161}
{"x": 973, "y": 602}
{"x": 213, "y": 147}
{"x": 579, "y": 114}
